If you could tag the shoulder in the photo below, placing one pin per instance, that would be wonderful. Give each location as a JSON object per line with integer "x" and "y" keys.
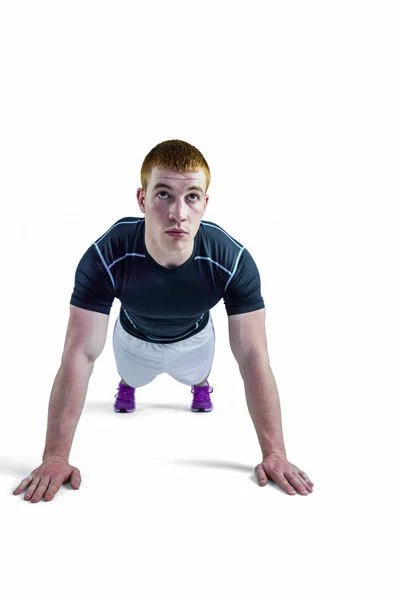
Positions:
{"x": 121, "y": 229}
{"x": 218, "y": 234}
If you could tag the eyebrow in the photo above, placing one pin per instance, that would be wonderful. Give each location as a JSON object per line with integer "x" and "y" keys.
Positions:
{"x": 165, "y": 185}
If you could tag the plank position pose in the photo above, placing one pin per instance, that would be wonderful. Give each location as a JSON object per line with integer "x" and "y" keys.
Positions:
{"x": 168, "y": 269}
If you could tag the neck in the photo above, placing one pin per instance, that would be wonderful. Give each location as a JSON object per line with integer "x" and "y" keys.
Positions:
{"x": 168, "y": 259}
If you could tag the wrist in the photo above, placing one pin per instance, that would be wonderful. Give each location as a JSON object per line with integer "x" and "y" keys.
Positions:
{"x": 48, "y": 456}
{"x": 276, "y": 451}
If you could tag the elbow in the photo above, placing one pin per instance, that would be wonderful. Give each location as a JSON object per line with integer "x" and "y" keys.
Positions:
{"x": 77, "y": 357}
{"x": 254, "y": 362}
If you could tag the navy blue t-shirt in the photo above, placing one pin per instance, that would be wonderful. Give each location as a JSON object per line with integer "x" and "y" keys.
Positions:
{"x": 161, "y": 304}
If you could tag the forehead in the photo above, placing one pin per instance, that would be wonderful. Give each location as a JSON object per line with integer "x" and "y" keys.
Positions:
{"x": 175, "y": 179}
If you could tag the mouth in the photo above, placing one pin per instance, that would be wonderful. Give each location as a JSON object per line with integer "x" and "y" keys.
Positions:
{"x": 176, "y": 233}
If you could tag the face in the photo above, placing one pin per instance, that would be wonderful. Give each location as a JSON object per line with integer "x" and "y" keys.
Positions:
{"x": 174, "y": 201}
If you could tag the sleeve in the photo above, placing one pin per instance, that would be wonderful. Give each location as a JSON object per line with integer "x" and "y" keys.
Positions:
{"x": 243, "y": 293}
{"x": 93, "y": 288}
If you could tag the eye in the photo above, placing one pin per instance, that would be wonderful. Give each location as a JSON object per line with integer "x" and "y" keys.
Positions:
{"x": 196, "y": 196}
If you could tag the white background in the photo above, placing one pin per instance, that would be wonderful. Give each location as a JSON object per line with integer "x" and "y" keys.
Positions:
{"x": 295, "y": 106}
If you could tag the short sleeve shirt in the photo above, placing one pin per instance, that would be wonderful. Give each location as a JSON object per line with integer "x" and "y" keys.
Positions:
{"x": 161, "y": 304}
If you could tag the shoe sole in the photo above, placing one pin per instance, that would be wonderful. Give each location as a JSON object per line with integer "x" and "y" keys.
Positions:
{"x": 124, "y": 410}
{"x": 201, "y": 409}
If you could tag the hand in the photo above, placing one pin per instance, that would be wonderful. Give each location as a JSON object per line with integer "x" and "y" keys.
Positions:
{"x": 289, "y": 477}
{"x": 47, "y": 479}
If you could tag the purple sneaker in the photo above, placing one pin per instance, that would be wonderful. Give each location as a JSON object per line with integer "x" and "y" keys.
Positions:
{"x": 125, "y": 398}
{"x": 201, "y": 398}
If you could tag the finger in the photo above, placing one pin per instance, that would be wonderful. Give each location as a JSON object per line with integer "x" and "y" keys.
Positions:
{"x": 55, "y": 485}
{"x": 32, "y": 488}
{"x": 76, "y": 479}
{"x": 296, "y": 483}
{"x": 41, "y": 489}
{"x": 52, "y": 490}
{"x": 305, "y": 483}
{"x": 23, "y": 485}
{"x": 261, "y": 475}
{"x": 306, "y": 477}
{"x": 283, "y": 483}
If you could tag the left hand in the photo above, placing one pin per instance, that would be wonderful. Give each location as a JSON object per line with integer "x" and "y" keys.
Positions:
{"x": 289, "y": 477}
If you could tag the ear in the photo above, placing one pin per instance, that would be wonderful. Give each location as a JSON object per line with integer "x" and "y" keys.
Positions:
{"x": 140, "y": 198}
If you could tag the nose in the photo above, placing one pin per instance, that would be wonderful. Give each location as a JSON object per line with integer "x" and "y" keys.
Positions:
{"x": 178, "y": 211}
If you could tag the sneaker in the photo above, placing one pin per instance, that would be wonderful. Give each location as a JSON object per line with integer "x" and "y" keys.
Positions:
{"x": 201, "y": 398}
{"x": 125, "y": 398}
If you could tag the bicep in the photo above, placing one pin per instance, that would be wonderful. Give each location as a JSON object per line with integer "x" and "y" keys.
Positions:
{"x": 86, "y": 333}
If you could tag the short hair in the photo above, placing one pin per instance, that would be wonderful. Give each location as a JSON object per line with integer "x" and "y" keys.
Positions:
{"x": 174, "y": 155}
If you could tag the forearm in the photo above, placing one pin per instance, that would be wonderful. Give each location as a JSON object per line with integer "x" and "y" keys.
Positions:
{"x": 264, "y": 406}
{"x": 66, "y": 404}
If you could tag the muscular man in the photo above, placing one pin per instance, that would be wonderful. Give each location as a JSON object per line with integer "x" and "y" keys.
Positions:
{"x": 168, "y": 269}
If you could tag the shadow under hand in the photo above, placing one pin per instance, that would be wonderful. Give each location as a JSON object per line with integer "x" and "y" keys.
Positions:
{"x": 223, "y": 464}
{"x": 209, "y": 463}
{"x": 12, "y": 466}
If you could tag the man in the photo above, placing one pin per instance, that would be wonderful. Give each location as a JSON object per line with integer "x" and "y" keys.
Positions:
{"x": 168, "y": 269}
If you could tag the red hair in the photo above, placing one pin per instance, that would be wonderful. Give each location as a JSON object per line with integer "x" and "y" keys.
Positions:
{"x": 174, "y": 155}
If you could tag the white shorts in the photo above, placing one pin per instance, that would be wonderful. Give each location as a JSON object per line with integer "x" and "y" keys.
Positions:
{"x": 188, "y": 361}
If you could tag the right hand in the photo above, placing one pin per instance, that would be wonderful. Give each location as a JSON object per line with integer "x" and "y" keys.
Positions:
{"x": 47, "y": 479}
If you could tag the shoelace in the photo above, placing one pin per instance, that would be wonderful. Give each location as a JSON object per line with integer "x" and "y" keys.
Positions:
{"x": 202, "y": 391}
{"x": 125, "y": 393}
